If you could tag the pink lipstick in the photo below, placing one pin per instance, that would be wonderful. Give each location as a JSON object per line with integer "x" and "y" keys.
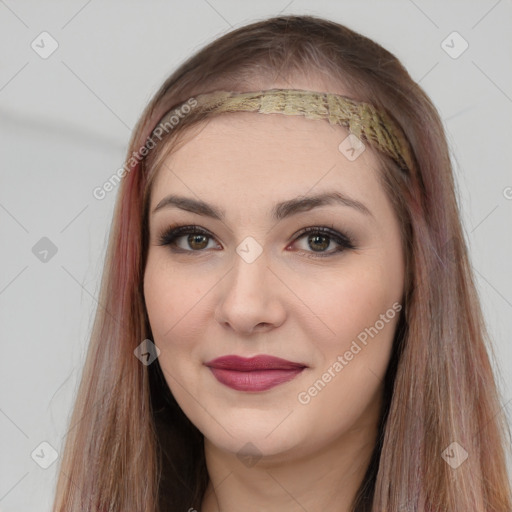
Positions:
{"x": 257, "y": 373}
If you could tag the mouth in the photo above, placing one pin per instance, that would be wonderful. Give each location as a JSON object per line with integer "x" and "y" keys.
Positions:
{"x": 257, "y": 373}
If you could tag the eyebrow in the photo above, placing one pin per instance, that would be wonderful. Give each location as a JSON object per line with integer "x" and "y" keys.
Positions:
{"x": 279, "y": 211}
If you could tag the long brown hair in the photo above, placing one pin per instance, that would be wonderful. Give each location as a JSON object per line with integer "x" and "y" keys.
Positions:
{"x": 129, "y": 445}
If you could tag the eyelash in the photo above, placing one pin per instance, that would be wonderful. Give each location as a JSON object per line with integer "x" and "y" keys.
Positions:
{"x": 169, "y": 236}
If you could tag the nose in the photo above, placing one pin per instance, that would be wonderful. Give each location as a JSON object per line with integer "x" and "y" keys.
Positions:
{"x": 251, "y": 297}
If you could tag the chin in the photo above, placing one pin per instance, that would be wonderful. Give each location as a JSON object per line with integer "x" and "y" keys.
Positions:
{"x": 255, "y": 441}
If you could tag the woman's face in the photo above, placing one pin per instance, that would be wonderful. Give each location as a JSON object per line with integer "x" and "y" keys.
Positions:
{"x": 250, "y": 282}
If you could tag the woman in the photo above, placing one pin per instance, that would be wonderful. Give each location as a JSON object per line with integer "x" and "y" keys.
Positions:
{"x": 288, "y": 316}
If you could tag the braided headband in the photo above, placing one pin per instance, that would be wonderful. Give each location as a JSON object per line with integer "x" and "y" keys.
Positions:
{"x": 362, "y": 119}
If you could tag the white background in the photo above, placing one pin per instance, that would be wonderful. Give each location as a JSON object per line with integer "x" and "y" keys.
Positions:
{"x": 65, "y": 125}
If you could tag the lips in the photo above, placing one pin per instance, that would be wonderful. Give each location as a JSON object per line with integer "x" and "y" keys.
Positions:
{"x": 257, "y": 373}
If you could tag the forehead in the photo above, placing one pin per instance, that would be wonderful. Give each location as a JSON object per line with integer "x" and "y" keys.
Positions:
{"x": 260, "y": 156}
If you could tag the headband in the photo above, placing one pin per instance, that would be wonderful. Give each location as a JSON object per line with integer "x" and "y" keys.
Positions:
{"x": 362, "y": 119}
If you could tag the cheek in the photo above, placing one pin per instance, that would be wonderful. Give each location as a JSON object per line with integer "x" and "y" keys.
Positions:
{"x": 345, "y": 304}
{"x": 173, "y": 299}
{"x": 362, "y": 309}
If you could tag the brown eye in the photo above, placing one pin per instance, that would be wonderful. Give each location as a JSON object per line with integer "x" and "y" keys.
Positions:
{"x": 197, "y": 241}
{"x": 194, "y": 239}
{"x": 319, "y": 238}
{"x": 318, "y": 242}
{"x": 186, "y": 239}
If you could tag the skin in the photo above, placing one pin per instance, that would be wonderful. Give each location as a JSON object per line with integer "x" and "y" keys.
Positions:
{"x": 211, "y": 302}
